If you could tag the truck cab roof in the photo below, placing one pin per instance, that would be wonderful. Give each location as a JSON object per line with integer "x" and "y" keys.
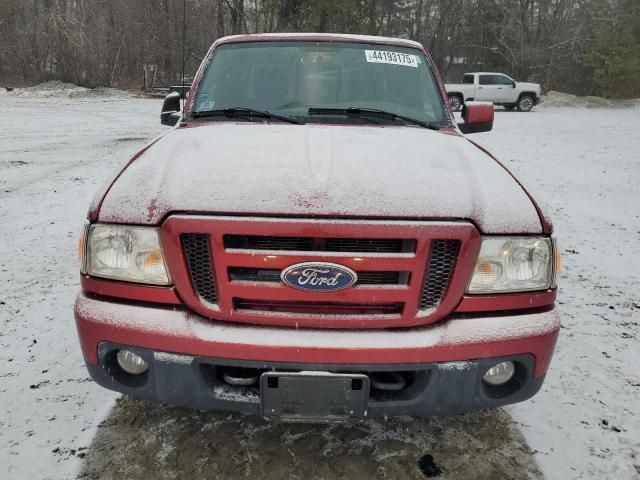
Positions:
{"x": 319, "y": 37}
{"x": 487, "y": 73}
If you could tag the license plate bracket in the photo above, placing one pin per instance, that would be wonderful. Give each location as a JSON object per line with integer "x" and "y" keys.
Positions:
{"x": 314, "y": 396}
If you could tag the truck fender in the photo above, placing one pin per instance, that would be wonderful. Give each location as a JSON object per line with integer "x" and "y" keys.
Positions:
{"x": 533, "y": 94}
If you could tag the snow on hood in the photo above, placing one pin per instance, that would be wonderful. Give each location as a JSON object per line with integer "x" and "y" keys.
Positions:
{"x": 319, "y": 170}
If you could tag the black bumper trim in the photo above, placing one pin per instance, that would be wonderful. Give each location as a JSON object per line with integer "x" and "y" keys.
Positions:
{"x": 438, "y": 389}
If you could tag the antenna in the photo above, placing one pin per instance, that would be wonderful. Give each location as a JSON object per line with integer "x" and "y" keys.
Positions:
{"x": 184, "y": 23}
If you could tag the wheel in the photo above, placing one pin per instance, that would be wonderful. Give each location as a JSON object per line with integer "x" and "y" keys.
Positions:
{"x": 525, "y": 103}
{"x": 509, "y": 108}
{"x": 456, "y": 102}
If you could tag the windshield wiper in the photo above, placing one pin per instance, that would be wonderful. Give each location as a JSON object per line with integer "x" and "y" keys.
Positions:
{"x": 371, "y": 112}
{"x": 234, "y": 112}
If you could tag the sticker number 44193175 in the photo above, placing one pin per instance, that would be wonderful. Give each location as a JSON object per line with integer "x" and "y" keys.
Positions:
{"x": 394, "y": 58}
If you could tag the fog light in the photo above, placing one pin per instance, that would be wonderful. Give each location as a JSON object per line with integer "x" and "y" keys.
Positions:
{"x": 131, "y": 363}
{"x": 500, "y": 373}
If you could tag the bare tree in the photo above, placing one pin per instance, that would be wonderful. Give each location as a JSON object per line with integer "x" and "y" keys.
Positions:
{"x": 564, "y": 44}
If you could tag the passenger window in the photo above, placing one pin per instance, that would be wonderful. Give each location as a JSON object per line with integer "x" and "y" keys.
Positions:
{"x": 467, "y": 79}
{"x": 486, "y": 79}
{"x": 502, "y": 80}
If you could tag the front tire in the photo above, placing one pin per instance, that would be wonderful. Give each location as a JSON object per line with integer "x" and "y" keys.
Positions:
{"x": 526, "y": 103}
{"x": 455, "y": 102}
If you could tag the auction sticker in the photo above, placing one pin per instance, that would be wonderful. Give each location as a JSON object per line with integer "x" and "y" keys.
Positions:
{"x": 393, "y": 58}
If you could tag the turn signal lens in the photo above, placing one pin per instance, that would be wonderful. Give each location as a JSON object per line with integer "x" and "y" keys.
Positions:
{"x": 488, "y": 271}
{"x": 557, "y": 260}
{"x": 82, "y": 249}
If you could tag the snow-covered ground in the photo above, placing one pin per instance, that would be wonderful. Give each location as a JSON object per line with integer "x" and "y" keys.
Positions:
{"x": 54, "y": 153}
{"x": 582, "y": 164}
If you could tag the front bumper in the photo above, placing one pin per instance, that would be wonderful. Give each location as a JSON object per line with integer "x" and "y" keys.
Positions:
{"x": 185, "y": 353}
{"x": 196, "y": 382}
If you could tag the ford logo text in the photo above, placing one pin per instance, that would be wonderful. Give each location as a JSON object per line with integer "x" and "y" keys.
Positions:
{"x": 318, "y": 276}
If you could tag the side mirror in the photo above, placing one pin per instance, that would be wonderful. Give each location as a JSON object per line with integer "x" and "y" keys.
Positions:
{"x": 170, "y": 113}
{"x": 513, "y": 83}
{"x": 477, "y": 116}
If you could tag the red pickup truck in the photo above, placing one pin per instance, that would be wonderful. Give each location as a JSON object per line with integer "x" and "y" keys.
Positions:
{"x": 316, "y": 239}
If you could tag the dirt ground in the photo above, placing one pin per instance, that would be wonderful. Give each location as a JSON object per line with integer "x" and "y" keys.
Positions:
{"x": 142, "y": 440}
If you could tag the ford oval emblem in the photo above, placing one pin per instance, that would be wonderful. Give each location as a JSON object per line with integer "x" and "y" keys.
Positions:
{"x": 318, "y": 276}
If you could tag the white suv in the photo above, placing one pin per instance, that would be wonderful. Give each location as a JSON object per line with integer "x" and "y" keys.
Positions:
{"x": 497, "y": 88}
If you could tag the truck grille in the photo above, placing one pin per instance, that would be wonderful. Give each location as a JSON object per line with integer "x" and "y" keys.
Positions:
{"x": 224, "y": 268}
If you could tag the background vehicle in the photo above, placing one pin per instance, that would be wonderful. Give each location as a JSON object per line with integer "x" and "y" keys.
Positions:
{"x": 497, "y": 88}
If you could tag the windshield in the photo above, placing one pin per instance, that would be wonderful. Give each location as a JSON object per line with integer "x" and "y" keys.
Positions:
{"x": 289, "y": 78}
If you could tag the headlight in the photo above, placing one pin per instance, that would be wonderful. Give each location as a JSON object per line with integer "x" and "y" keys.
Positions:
{"x": 513, "y": 264}
{"x": 131, "y": 254}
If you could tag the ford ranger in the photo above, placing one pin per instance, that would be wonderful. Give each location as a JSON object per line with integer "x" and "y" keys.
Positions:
{"x": 496, "y": 88}
{"x": 316, "y": 240}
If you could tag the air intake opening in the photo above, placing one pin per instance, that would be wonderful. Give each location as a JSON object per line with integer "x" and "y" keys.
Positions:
{"x": 244, "y": 274}
{"x": 313, "y": 244}
{"x": 319, "y": 308}
{"x": 198, "y": 256}
{"x": 441, "y": 264}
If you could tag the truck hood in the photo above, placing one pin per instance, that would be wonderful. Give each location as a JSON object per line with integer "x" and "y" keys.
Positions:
{"x": 319, "y": 170}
